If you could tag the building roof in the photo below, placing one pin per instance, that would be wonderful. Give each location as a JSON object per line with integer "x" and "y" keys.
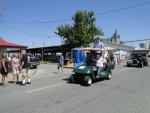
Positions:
{"x": 92, "y": 49}
{"x": 6, "y": 44}
{"x": 119, "y": 46}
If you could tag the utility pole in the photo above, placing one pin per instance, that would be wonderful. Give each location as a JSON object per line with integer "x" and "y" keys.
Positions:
{"x": 2, "y": 8}
{"x": 61, "y": 44}
{"x": 42, "y": 50}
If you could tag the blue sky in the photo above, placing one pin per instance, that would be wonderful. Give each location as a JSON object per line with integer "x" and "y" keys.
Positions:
{"x": 131, "y": 24}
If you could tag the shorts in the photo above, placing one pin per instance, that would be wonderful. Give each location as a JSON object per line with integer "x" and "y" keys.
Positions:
{"x": 15, "y": 71}
{"x": 25, "y": 72}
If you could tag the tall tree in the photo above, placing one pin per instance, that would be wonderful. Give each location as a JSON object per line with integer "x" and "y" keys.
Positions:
{"x": 82, "y": 32}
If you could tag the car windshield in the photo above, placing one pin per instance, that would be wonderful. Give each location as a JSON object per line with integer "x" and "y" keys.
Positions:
{"x": 137, "y": 55}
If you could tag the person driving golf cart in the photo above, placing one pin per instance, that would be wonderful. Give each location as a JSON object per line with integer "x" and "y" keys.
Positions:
{"x": 88, "y": 59}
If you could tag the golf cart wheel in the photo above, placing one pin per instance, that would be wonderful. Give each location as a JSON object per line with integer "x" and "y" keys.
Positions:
{"x": 88, "y": 80}
{"x": 109, "y": 76}
{"x": 71, "y": 79}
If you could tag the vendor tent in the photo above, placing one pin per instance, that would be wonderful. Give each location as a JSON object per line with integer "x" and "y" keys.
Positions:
{"x": 6, "y": 44}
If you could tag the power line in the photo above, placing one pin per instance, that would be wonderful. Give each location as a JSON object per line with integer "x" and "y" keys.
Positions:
{"x": 29, "y": 33}
{"x": 63, "y": 20}
{"x": 33, "y": 34}
{"x": 122, "y": 9}
{"x": 136, "y": 40}
{"x": 55, "y": 21}
{"x": 38, "y": 22}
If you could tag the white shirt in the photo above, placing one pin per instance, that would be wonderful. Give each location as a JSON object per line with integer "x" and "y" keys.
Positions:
{"x": 100, "y": 62}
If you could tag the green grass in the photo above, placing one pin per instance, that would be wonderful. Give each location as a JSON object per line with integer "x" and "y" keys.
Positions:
{"x": 47, "y": 62}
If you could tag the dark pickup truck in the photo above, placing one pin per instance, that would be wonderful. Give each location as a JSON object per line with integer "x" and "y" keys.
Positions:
{"x": 34, "y": 62}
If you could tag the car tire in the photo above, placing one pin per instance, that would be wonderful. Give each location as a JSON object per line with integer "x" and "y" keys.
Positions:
{"x": 128, "y": 65}
{"x": 33, "y": 67}
{"x": 87, "y": 80}
{"x": 146, "y": 64}
{"x": 141, "y": 65}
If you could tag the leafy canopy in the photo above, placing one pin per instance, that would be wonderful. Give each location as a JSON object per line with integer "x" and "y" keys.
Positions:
{"x": 82, "y": 32}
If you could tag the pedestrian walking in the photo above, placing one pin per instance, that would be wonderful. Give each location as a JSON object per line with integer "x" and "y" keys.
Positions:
{"x": 15, "y": 68}
{"x": 61, "y": 62}
{"x": 26, "y": 77}
{"x": 4, "y": 69}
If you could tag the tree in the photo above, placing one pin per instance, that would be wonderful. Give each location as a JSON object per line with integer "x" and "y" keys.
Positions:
{"x": 82, "y": 32}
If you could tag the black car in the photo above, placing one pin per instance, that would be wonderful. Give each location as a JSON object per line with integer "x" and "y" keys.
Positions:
{"x": 138, "y": 60}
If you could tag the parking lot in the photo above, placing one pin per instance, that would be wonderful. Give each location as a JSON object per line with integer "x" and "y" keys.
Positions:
{"x": 127, "y": 92}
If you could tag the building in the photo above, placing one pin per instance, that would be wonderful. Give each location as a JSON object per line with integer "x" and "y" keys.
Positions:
{"x": 145, "y": 45}
{"x": 114, "y": 39}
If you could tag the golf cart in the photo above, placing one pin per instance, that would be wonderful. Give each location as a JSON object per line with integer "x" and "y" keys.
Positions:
{"x": 86, "y": 71}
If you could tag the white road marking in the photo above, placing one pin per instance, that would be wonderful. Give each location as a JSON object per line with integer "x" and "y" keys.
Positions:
{"x": 43, "y": 88}
{"x": 39, "y": 77}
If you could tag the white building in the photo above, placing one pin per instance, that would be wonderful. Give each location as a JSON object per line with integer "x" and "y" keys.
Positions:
{"x": 145, "y": 45}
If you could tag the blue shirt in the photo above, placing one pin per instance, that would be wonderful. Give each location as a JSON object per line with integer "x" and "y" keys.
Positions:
{"x": 99, "y": 45}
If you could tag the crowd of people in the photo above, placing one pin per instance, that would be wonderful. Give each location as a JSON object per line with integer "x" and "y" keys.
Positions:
{"x": 17, "y": 65}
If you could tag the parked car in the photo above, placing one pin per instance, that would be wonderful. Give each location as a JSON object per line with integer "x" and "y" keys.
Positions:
{"x": 138, "y": 60}
{"x": 34, "y": 62}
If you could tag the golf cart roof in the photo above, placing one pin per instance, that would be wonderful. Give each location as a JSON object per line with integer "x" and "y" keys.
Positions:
{"x": 91, "y": 49}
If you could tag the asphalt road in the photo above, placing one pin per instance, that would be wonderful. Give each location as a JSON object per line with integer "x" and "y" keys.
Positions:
{"x": 127, "y": 92}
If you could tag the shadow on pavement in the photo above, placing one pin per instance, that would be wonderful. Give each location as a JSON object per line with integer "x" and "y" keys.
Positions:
{"x": 81, "y": 83}
{"x": 1, "y": 84}
{"x": 12, "y": 82}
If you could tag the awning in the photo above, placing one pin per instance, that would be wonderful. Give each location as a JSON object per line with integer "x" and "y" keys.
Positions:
{"x": 6, "y": 44}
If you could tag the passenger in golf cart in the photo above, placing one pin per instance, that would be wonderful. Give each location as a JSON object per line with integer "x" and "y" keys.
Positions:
{"x": 100, "y": 64}
{"x": 89, "y": 59}
{"x": 95, "y": 59}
